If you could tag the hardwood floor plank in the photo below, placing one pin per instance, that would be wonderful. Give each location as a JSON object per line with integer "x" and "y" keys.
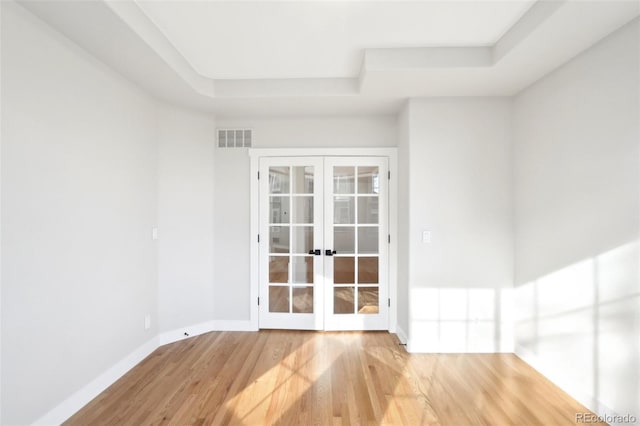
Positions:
{"x": 279, "y": 377}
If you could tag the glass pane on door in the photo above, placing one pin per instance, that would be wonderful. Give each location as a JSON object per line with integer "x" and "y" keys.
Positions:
{"x": 368, "y": 240}
{"x": 279, "y": 239}
{"x": 344, "y": 270}
{"x": 302, "y": 180}
{"x": 368, "y": 300}
{"x": 344, "y": 180}
{"x": 293, "y": 240}
{"x": 368, "y": 180}
{"x": 302, "y": 210}
{"x": 303, "y": 300}
{"x": 343, "y": 301}
{"x": 279, "y": 180}
{"x": 302, "y": 239}
{"x": 344, "y": 239}
{"x": 302, "y": 270}
{"x": 279, "y": 269}
{"x": 279, "y": 209}
{"x": 368, "y": 270}
{"x": 278, "y": 299}
{"x": 356, "y": 236}
{"x": 368, "y": 210}
{"x": 344, "y": 209}
{"x": 290, "y": 217}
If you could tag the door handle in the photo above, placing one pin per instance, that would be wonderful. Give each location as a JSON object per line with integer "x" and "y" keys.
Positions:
{"x": 316, "y": 252}
{"x": 329, "y": 252}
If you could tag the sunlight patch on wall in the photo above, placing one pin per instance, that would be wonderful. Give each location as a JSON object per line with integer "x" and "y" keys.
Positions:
{"x": 460, "y": 320}
{"x": 579, "y": 326}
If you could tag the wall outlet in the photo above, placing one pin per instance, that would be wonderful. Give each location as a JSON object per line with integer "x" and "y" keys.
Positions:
{"x": 154, "y": 233}
{"x": 426, "y": 236}
{"x": 147, "y": 322}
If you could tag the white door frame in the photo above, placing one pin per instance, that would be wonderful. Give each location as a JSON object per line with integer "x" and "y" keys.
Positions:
{"x": 254, "y": 261}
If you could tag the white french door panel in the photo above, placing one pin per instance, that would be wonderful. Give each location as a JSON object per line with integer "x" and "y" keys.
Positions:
{"x": 356, "y": 232}
{"x": 323, "y": 256}
{"x": 291, "y": 230}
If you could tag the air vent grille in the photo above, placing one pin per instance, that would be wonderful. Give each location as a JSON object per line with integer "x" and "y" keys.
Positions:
{"x": 235, "y": 138}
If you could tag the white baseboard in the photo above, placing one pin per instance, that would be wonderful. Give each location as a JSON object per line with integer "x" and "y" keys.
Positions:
{"x": 79, "y": 399}
{"x": 411, "y": 348}
{"x": 185, "y": 332}
{"x": 433, "y": 345}
{"x": 234, "y": 325}
{"x": 402, "y": 335}
{"x": 204, "y": 327}
{"x": 418, "y": 347}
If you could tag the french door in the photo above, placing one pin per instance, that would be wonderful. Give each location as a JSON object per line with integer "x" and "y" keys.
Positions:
{"x": 323, "y": 243}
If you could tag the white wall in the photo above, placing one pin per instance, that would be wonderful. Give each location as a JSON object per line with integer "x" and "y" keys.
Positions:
{"x": 577, "y": 209}
{"x": 78, "y": 204}
{"x": 231, "y": 227}
{"x": 460, "y": 190}
{"x": 1, "y": 137}
{"x": 186, "y": 143}
{"x": 232, "y": 202}
{"x": 404, "y": 203}
{"x": 318, "y": 132}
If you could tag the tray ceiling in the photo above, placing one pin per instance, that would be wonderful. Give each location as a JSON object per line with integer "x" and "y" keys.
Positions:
{"x": 239, "y": 58}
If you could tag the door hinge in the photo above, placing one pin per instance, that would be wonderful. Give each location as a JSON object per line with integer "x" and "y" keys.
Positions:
{"x": 258, "y": 175}
{"x": 389, "y": 175}
{"x": 389, "y": 238}
{"x": 258, "y": 237}
{"x": 258, "y": 301}
{"x": 389, "y": 302}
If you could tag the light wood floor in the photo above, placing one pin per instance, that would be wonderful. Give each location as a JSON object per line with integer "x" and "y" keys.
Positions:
{"x": 309, "y": 378}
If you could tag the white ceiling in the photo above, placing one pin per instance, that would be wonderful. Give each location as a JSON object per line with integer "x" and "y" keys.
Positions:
{"x": 319, "y": 39}
{"x": 239, "y": 58}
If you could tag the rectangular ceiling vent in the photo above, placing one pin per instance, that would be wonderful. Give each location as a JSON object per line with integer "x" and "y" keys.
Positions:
{"x": 234, "y": 138}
